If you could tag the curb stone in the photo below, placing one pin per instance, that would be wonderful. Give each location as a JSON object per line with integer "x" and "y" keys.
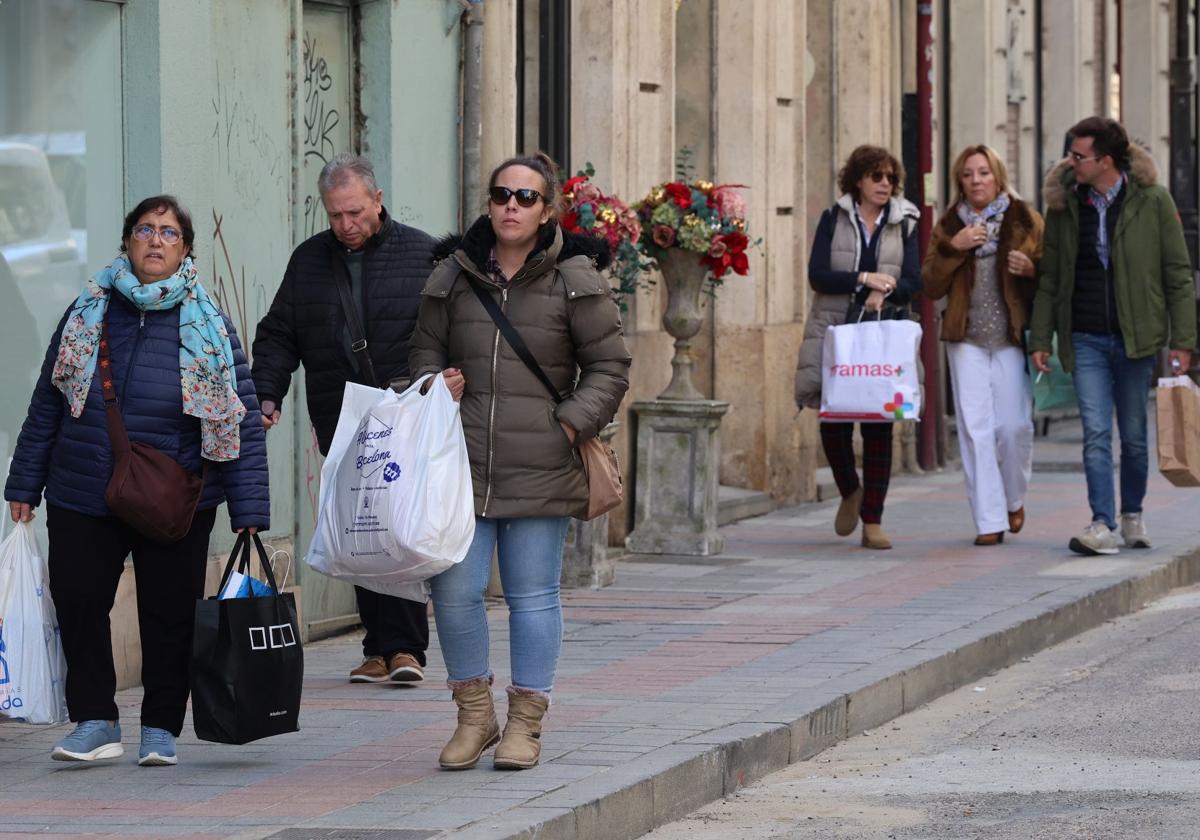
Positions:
{"x": 670, "y": 782}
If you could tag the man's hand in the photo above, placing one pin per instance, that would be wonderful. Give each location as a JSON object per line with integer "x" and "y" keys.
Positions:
{"x": 569, "y": 431}
{"x": 20, "y": 511}
{"x": 270, "y": 414}
{"x": 1041, "y": 360}
{"x": 455, "y": 382}
{"x": 1179, "y": 360}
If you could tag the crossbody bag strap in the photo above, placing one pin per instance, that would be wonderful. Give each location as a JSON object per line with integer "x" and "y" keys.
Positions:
{"x": 358, "y": 336}
{"x": 514, "y": 339}
{"x": 118, "y": 438}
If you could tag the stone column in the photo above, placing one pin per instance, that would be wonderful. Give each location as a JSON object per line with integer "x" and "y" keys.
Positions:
{"x": 678, "y": 455}
{"x": 586, "y": 561}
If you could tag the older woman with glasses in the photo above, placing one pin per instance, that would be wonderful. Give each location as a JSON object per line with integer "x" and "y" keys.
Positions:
{"x": 516, "y": 264}
{"x": 983, "y": 258}
{"x": 143, "y": 336}
{"x": 864, "y": 257}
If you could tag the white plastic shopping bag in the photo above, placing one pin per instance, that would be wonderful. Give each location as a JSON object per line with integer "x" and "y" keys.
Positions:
{"x": 396, "y": 504}
{"x": 869, "y": 372}
{"x": 32, "y": 667}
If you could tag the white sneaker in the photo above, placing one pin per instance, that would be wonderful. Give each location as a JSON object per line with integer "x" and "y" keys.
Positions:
{"x": 1133, "y": 529}
{"x": 1097, "y": 538}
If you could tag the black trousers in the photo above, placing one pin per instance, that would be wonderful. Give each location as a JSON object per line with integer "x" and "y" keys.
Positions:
{"x": 393, "y": 625}
{"x": 87, "y": 555}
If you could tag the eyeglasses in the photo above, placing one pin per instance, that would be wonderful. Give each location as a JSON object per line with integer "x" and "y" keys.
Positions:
{"x": 879, "y": 176}
{"x": 1078, "y": 158}
{"x": 146, "y": 232}
{"x": 525, "y": 197}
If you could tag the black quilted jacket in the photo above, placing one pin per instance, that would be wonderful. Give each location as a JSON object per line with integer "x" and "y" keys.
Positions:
{"x": 306, "y": 324}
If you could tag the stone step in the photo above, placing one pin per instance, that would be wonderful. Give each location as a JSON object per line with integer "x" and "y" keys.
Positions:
{"x": 826, "y": 486}
{"x": 734, "y": 503}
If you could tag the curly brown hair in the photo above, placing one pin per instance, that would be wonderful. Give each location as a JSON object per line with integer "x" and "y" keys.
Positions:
{"x": 863, "y": 161}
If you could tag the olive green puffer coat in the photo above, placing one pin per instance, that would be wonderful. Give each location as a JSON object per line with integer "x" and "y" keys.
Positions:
{"x": 521, "y": 462}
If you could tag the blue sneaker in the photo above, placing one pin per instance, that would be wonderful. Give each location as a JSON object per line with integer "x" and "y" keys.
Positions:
{"x": 91, "y": 740}
{"x": 157, "y": 749}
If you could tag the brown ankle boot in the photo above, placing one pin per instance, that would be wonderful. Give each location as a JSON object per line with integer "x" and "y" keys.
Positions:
{"x": 874, "y": 537}
{"x": 477, "y": 728}
{"x": 521, "y": 745}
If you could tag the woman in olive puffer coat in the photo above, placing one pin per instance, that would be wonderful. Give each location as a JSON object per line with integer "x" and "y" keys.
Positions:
{"x": 528, "y": 477}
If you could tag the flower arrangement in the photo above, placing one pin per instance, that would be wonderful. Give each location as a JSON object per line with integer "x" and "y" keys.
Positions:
{"x": 590, "y": 211}
{"x": 699, "y": 216}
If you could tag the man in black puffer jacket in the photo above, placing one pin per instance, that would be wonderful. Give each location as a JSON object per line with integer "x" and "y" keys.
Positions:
{"x": 385, "y": 264}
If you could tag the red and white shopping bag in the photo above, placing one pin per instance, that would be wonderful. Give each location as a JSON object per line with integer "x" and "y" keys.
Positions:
{"x": 870, "y": 372}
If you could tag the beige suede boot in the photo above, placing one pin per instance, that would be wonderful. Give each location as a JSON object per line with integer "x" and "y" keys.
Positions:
{"x": 521, "y": 745}
{"x": 477, "y": 728}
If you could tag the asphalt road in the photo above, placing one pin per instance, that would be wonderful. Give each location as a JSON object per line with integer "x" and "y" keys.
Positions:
{"x": 1098, "y": 737}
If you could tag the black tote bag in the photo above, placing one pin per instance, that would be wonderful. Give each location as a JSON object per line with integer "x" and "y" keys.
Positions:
{"x": 247, "y": 660}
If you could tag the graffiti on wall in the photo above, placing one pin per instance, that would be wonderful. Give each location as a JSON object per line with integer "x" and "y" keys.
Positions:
{"x": 238, "y": 298}
{"x": 247, "y": 152}
{"x": 322, "y": 117}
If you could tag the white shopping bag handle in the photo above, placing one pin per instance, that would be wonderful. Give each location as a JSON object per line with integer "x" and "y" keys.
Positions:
{"x": 419, "y": 383}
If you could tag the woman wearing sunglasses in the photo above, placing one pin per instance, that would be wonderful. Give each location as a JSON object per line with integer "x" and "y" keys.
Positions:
{"x": 145, "y": 328}
{"x": 864, "y": 257}
{"x": 983, "y": 258}
{"x": 528, "y": 478}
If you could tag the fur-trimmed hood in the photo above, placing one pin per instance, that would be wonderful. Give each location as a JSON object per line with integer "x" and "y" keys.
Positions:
{"x": 477, "y": 243}
{"x": 1142, "y": 170}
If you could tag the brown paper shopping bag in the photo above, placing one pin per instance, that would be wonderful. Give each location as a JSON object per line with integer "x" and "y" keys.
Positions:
{"x": 1178, "y": 417}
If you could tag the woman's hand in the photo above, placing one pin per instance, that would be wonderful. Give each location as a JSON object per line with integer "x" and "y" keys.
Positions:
{"x": 969, "y": 237}
{"x": 569, "y": 431}
{"x": 250, "y": 531}
{"x": 20, "y": 511}
{"x": 874, "y": 301}
{"x": 455, "y": 382}
{"x": 1019, "y": 264}
{"x": 879, "y": 282}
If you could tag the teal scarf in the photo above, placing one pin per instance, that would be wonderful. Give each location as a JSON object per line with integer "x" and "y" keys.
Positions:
{"x": 206, "y": 369}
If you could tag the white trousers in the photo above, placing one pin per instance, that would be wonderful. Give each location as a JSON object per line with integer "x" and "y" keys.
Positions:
{"x": 993, "y": 408}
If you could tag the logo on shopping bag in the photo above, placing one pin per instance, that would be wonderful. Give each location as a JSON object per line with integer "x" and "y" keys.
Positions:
{"x": 391, "y": 472}
{"x": 4, "y": 676}
{"x": 898, "y": 408}
{"x": 866, "y": 370}
{"x": 366, "y": 433}
{"x": 272, "y": 637}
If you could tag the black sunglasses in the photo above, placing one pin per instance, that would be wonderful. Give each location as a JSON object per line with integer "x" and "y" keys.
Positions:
{"x": 879, "y": 176}
{"x": 525, "y": 197}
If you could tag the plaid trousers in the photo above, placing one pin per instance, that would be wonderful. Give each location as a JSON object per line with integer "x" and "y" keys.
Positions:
{"x": 838, "y": 441}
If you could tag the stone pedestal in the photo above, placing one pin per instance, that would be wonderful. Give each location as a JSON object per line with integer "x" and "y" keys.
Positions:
{"x": 586, "y": 561}
{"x": 678, "y": 458}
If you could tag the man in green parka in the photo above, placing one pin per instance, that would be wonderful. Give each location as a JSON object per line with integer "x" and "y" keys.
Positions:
{"x": 1115, "y": 285}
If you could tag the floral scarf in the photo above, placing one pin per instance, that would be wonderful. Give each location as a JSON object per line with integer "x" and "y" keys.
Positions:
{"x": 206, "y": 368}
{"x": 991, "y": 217}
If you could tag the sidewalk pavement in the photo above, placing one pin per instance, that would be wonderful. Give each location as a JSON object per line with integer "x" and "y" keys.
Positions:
{"x": 687, "y": 679}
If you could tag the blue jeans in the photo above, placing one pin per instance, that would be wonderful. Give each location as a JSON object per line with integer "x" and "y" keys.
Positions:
{"x": 1106, "y": 378}
{"x": 530, "y": 556}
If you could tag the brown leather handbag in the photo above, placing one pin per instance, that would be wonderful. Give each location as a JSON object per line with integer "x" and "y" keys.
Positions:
{"x": 148, "y": 491}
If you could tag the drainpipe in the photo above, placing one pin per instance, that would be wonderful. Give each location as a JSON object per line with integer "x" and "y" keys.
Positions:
{"x": 1183, "y": 160}
{"x": 472, "y": 131}
{"x": 927, "y": 446}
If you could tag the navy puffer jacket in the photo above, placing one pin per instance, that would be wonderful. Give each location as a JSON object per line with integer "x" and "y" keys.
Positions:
{"x": 306, "y": 323}
{"x": 70, "y": 458}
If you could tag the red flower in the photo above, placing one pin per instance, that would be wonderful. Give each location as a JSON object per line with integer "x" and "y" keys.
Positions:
{"x": 572, "y": 183}
{"x": 570, "y": 222}
{"x": 664, "y": 235}
{"x": 681, "y": 194}
{"x": 737, "y": 242}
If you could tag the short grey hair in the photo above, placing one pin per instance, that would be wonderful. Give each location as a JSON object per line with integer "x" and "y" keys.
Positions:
{"x": 341, "y": 168}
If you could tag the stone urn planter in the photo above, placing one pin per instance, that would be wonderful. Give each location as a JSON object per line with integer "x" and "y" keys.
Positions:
{"x": 684, "y": 276}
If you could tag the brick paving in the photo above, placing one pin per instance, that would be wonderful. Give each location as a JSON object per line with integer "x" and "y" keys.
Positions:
{"x": 680, "y": 655}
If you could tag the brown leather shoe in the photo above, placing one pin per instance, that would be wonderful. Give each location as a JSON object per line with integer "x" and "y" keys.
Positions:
{"x": 874, "y": 537}
{"x": 372, "y": 670}
{"x": 847, "y": 513}
{"x": 521, "y": 746}
{"x": 404, "y": 668}
{"x": 477, "y": 727}
{"x": 1016, "y": 521}
{"x": 990, "y": 539}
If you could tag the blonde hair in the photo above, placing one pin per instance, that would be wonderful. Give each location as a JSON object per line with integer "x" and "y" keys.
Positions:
{"x": 994, "y": 163}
